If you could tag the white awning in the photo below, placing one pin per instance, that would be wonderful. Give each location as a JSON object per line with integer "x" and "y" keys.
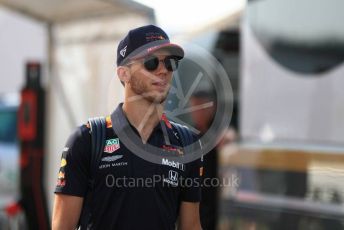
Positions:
{"x": 65, "y": 10}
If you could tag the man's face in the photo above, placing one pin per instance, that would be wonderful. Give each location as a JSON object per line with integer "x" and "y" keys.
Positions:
{"x": 151, "y": 85}
{"x": 202, "y": 117}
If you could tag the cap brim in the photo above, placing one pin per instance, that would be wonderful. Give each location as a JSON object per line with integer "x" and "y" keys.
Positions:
{"x": 174, "y": 49}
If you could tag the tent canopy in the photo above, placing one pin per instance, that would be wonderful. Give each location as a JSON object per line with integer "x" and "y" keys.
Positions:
{"x": 65, "y": 10}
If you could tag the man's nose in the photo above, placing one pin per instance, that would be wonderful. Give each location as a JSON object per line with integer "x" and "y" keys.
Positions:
{"x": 161, "y": 67}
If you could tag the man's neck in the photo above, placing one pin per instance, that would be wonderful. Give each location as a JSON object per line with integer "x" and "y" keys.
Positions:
{"x": 143, "y": 115}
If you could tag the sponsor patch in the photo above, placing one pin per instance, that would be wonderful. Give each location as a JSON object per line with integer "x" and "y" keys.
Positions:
{"x": 123, "y": 51}
{"x": 173, "y": 164}
{"x": 61, "y": 175}
{"x": 108, "y": 122}
{"x": 167, "y": 122}
{"x": 172, "y": 178}
{"x": 178, "y": 150}
{"x": 119, "y": 164}
{"x": 114, "y": 164}
{"x": 61, "y": 183}
{"x": 153, "y": 37}
{"x": 63, "y": 162}
{"x": 111, "y": 145}
{"x": 112, "y": 158}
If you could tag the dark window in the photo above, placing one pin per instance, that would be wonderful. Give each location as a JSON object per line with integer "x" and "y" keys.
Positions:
{"x": 8, "y": 125}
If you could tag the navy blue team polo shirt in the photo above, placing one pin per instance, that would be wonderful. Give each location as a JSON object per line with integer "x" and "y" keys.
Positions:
{"x": 129, "y": 192}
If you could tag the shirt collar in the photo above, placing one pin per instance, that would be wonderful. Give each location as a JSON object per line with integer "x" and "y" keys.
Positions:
{"x": 119, "y": 118}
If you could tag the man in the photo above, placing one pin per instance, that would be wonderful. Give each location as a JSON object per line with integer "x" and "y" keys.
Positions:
{"x": 145, "y": 63}
{"x": 203, "y": 119}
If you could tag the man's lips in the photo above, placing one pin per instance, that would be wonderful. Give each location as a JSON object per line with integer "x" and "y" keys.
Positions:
{"x": 160, "y": 83}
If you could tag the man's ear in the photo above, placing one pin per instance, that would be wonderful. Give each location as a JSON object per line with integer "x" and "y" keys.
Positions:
{"x": 123, "y": 73}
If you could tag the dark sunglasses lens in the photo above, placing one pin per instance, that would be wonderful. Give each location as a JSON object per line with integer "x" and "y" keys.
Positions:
{"x": 151, "y": 63}
{"x": 171, "y": 64}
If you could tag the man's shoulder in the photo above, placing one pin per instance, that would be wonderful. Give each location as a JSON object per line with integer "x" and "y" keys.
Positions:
{"x": 186, "y": 133}
{"x": 84, "y": 131}
{"x": 107, "y": 119}
{"x": 80, "y": 134}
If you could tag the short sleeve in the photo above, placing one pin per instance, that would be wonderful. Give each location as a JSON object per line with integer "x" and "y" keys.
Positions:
{"x": 191, "y": 186}
{"x": 74, "y": 166}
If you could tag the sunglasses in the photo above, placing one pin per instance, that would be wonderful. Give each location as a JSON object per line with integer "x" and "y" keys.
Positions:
{"x": 152, "y": 62}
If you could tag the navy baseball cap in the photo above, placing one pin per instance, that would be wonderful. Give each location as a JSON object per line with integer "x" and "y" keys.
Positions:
{"x": 143, "y": 41}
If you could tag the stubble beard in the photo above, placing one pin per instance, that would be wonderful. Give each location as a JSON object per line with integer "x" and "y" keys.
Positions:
{"x": 139, "y": 88}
